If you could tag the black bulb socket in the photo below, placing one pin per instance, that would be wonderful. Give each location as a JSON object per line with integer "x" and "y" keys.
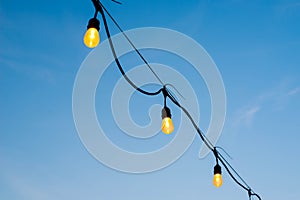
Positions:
{"x": 217, "y": 169}
{"x": 166, "y": 112}
{"x": 94, "y": 23}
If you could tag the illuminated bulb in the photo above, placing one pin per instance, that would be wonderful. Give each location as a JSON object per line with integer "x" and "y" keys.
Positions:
{"x": 167, "y": 125}
{"x": 218, "y": 180}
{"x": 217, "y": 176}
{"x": 91, "y": 38}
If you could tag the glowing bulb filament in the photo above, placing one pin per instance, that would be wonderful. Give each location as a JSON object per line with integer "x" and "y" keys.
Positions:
{"x": 217, "y": 180}
{"x": 167, "y": 125}
{"x": 217, "y": 176}
{"x": 91, "y": 38}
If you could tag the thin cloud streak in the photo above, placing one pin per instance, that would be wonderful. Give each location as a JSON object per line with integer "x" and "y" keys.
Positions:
{"x": 34, "y": 71}
{"x": 275, "y": 99}
{"x": 249, "y": 114}
{"x": 245, "y": 116}
{"x": 294, "y": 91}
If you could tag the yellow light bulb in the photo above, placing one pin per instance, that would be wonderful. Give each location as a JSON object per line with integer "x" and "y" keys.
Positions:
{"x": 167, "y": 125}
{"x": 217, "y": 180}
{"x": 91, "y": 38}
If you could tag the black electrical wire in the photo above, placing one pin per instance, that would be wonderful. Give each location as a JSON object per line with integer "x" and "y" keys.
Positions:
{"x": 127, "y": 38}
{"x": 201, "y": 134}
{"x": 222, "y": 157}
{"x": 219, "y": 157}
{"x": 98, "y": 7}
{"x": 116, "y": 1}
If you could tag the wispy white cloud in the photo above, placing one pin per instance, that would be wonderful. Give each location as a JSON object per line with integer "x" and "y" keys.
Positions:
{"x": 28, "y": 190}
{"x": 36, "y": 71}
{"x": 294, "y": 91}
{"x": 275, "y": 99}
{"x": 245, "y": 116}
{"x": 250, "y": 113}
{"x": 35, "y": 52}
{"x": 22, "y": 185}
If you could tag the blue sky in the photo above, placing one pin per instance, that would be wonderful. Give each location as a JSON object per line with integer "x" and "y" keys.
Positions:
{"x": 255, "y": 45}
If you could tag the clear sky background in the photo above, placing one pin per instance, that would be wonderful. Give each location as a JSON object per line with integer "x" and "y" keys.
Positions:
{"x": 256, "y": 46}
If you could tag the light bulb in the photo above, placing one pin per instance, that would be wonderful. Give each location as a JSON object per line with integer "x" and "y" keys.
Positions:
{"x": 218, "y": 180}
{"x": 91, "y": 38}
{"x": 167, "y": 125}
{"x": 217, "y": 176}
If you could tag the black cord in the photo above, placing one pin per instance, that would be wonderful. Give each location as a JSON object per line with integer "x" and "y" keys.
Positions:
{"x": 221, "y": 156}
{"x": 130, "y": 42}
{"x": 202, "y": 136}
{"x": 217, "y": 147}
{"x": 116, "y": 1}
{"x": 99, "y": 7}
{"x": 254, "y": 194}
{"x": 218, "y": 155}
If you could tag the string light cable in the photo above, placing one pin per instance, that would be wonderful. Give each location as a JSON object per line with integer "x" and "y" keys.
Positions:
{"x": 100, "y": 8}
{"x": 166, "y": 114}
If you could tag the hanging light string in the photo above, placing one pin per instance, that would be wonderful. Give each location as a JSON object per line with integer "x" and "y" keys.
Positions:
{"x": 99, "y": 6}
{"x": 167, "y": 94}
{"x": 219, "y": 157}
